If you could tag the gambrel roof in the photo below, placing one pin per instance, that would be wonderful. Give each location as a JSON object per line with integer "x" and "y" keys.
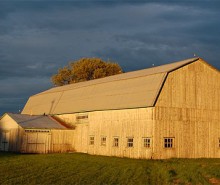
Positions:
{"x": 128, "y": 90}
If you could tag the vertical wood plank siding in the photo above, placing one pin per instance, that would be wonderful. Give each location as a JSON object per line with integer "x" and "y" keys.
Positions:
{"x": 188, "y": 109}
{"x": 135, "y": 123}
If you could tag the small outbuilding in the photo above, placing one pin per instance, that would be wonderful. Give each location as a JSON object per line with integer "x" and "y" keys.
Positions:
{"x": 34, "y": 134}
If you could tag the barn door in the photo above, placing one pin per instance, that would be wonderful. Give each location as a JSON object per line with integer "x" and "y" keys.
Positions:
{"x": 32, "y": 142}
{"x": 4, "y": 145}
{"x": 36, "y": 141}
{"x": 42, "y": 142}
{"x": 81, "y": 138}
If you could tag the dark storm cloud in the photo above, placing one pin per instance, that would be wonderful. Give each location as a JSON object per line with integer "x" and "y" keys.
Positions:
{"x": 176, "y": 32}
{"x": 15, "y": 91}
{"x": 38, "y": 37}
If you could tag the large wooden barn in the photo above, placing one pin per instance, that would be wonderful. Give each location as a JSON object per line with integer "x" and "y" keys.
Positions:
{"x": 161, "y": 112}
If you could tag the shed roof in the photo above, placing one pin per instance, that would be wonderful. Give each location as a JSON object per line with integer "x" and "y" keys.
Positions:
{"x": 36, "y": 122}
{"x": 128, "y": 90}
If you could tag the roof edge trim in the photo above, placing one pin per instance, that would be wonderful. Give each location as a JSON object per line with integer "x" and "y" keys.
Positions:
{"x": 100, "y": 110}
{"x": 159, "y": 92}
{"x": 196, "y": 59}
{"x": 6, "y": 113}
{"x": 206, "y": 63}
{"x": 161, "y": 87}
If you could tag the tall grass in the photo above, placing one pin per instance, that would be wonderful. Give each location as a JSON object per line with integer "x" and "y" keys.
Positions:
{"x": 85, "y": 169}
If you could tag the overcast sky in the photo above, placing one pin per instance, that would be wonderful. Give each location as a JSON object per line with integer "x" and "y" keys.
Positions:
{"x": 38, "y": 37}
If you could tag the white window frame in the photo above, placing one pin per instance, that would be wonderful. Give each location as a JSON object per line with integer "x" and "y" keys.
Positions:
{"x": 103, "y": 140}
{"x": 91, "y": 140}
{"x": 147, "y": 142}
{"x": 82, "y": 118}
{"x": 130, "y": 142}
{"x": 115, "y": 141}
{"x": 168, "y": 142}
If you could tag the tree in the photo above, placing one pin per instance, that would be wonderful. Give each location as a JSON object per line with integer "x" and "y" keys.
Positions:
{"x": 85, "y": 69}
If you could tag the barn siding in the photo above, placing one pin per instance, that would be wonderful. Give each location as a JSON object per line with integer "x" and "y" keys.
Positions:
{"x": 48, "y": 141}
{"x": 23, "y": 140}
{"x": 62, "y": 141}
{"x": 36, "y": 141}
{"x": 188, "y": 109}
{"x": 193, "y": 86}
{"x": 12, "y": 131}
{"x": 136, "y": 123}
{"x": 15, "y": 140}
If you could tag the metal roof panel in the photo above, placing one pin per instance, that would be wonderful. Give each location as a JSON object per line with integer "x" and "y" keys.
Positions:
{"x": 128, "y": 90}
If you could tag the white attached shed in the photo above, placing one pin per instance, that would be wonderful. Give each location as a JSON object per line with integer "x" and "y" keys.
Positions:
{"x": 34, "y": 134}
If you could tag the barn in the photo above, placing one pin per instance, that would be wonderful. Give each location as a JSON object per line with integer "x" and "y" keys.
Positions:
{"x": 168, "y": 111}
{"x": 34, "y": 134}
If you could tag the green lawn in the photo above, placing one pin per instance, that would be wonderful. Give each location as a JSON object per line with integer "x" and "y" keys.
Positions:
{"x": 76, "y": 168}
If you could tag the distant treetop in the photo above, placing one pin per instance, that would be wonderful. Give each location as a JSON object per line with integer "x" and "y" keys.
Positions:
{"x": 85, "y": 69}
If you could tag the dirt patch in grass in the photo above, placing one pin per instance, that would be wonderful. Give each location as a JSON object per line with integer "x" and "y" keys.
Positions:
{"x": 214, "y": 181}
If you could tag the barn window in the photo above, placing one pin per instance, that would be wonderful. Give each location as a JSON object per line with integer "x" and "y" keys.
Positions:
{"x": 115, "y": 141}
{"x": 147, "y": 142}
{"x": 103, "y": 141}
{"x": 82, "y": 118}
{"x": 130, "y": 142}
{"x": 91, "y": 140}
{"x": 37, "y": 131}
{"x": 168, "y": 142}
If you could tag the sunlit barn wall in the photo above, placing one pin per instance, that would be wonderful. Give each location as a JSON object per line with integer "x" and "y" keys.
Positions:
{"x": 188, "y": 109}
{"x": 132, "y": 123}
{"x": 14, "y": 138}
{"x": 10, "y": 135}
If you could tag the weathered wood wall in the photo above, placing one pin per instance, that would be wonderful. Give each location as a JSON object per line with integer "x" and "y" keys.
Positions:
{"x": 17, "y": 139}
{"x": 10, "y": 135}
{"x": 36, "y": 141}
{"x": 81, "y": 132}
{"x": 188, "y": 109}
{"x": 62, "y": 141}
{"x": 134, "y": 123}
{"x": 130, "y": 123}
{"x": 47, "y": 141}
{"x": 10, "y": 140}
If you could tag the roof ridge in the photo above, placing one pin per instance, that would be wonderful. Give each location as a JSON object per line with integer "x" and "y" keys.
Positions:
{"x": 113, "y": 77}
{"x": 134, "y": 89}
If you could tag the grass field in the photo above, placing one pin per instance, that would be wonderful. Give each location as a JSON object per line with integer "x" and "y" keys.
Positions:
{"x": 85, "y": 169}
